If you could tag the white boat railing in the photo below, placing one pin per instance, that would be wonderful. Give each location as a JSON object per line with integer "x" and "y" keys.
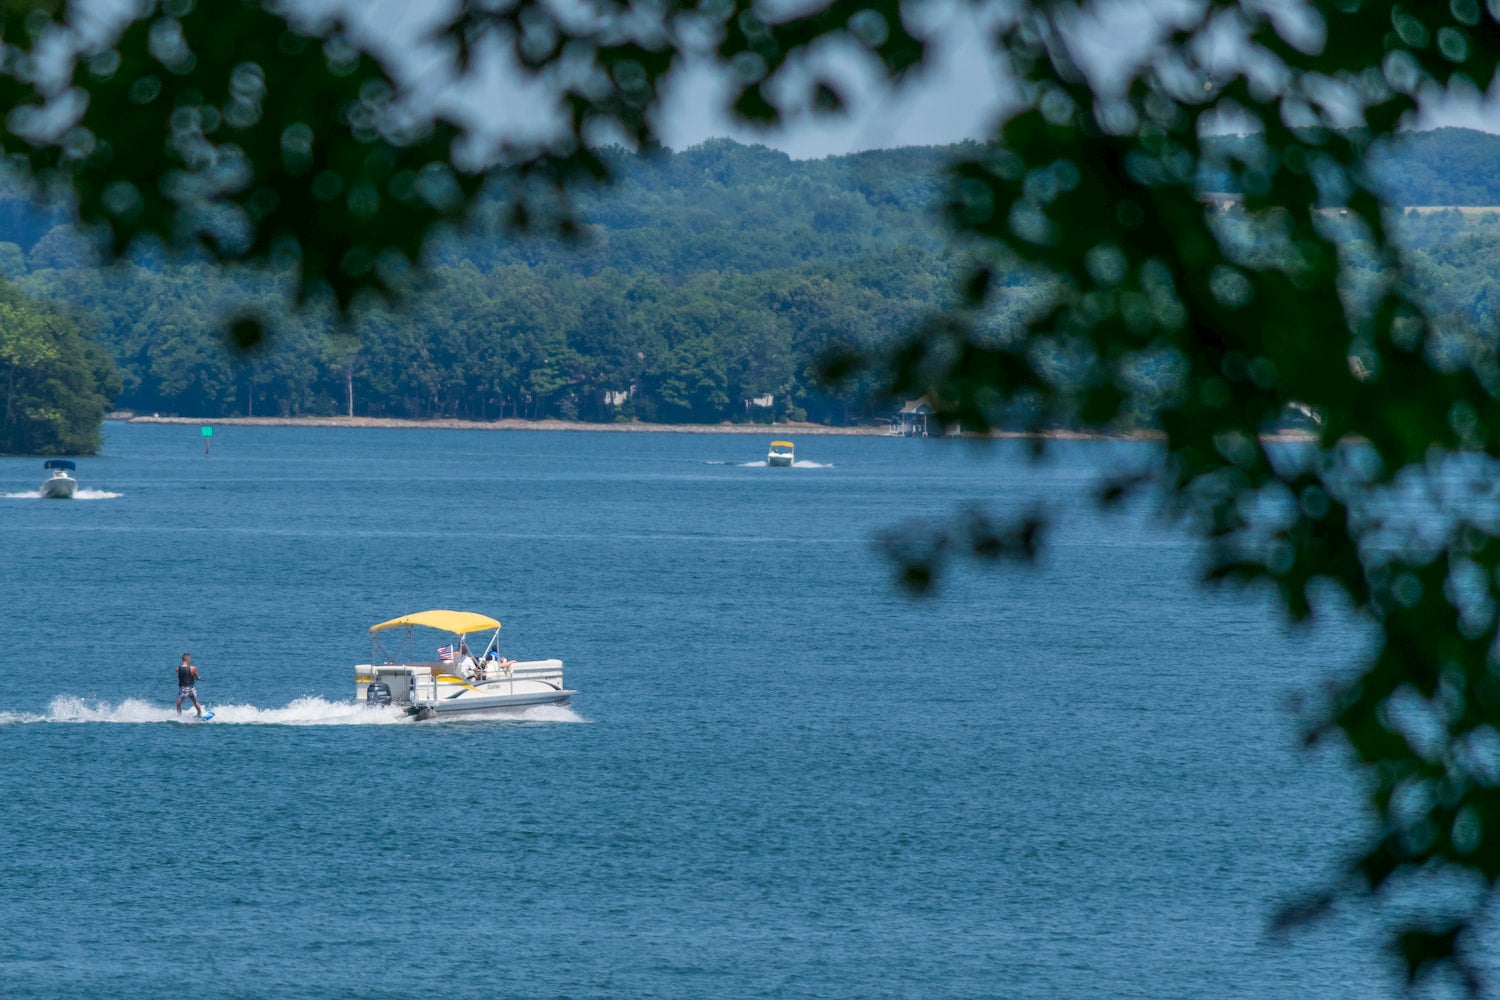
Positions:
{"x": 423, "y": 688}
{"x": 424, "y": 684}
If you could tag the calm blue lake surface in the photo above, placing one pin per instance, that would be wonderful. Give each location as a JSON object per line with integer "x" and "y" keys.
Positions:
{"x": 782, "y": 778}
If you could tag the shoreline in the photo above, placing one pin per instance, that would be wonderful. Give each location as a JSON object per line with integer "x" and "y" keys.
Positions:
{"x": 514, "y": 424}
{"x": 508, "y": 424}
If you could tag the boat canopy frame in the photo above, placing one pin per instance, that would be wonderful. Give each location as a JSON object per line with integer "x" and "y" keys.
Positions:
{"x": 459, "y": 623}
{"x": 65, "y": 464}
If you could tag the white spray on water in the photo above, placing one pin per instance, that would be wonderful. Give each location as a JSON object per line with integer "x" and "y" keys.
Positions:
{"x": 763, "y": 464}
{"x": 302, "y": 712}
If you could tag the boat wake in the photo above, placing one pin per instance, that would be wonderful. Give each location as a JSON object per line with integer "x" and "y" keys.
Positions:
{"x": 763, "y": 464}
{"x": 79, "y": 495}
{"x": 302, "y": 712}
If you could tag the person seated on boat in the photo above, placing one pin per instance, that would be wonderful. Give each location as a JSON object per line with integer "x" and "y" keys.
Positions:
{"x": 468, "y": 668}
{"x": 494, "y": 657}
{"x": 477, "y": 671}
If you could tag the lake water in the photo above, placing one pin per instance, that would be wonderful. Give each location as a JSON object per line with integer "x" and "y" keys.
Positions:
{"x": 782, "y": 777}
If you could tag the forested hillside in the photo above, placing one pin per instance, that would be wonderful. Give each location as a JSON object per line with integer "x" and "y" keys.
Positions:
{"x": 704, "y": 287}
{"x": 1441, "y": 167}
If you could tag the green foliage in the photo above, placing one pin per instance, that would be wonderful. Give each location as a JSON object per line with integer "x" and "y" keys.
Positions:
{"x": 1303, "y": 297}
{"x": 223, "y": 127}
{"x": 55, "y": 385}
{"x": 701, "y": 283}
{"x": 1097, "y": 283}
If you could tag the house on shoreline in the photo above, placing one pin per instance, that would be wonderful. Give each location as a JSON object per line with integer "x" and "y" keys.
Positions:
{"x": 914, "y": 419}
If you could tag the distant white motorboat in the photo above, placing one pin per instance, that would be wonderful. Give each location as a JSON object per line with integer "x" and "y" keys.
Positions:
{"x": 456, "y": 681}
{"x": 60, "y": 485}
{"x": 780, "y": 454}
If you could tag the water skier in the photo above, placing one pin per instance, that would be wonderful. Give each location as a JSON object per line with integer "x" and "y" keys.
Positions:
{"x": 187, "y": 684}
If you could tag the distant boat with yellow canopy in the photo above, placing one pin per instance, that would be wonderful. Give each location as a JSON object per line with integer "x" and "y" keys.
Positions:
{"x": 780, "y": 454}
{"x": 455, "y": 680}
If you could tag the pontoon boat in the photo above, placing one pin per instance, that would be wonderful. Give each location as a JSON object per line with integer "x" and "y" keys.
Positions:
{"x": 455, "y": 680}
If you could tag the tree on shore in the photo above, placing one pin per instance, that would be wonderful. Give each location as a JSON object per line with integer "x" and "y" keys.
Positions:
{"x": 56, "y": 384}
{"x": 228, "y": 128}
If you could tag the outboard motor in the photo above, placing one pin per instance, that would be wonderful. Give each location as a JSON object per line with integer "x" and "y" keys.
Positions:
{"x": 378, "y": 693}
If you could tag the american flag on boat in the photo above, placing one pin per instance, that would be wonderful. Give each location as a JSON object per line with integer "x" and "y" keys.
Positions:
{"x": 445, "y": 654}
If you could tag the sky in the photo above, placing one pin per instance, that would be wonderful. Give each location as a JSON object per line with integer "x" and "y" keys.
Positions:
{"x": 958, "y": 94}
{"x": 962, "y": 96}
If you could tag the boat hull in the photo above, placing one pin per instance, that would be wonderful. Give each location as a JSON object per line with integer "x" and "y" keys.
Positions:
{"x": 778, "y": 460}
{"x": 494, "y": 703}
{"x": 59, "y": 488}
{"x": 425, "y": 691}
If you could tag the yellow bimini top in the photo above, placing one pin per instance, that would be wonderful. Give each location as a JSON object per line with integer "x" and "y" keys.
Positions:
{"x": 781, "y": 444}
{"x": 457, "y": 622}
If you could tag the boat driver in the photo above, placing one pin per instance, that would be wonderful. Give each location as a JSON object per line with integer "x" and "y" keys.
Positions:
{"x": 467, "y": 668}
